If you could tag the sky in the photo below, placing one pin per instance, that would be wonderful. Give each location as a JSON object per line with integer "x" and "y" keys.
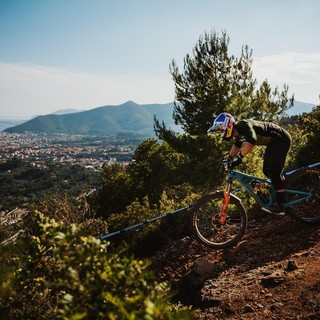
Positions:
{"x": 82, "y": 54}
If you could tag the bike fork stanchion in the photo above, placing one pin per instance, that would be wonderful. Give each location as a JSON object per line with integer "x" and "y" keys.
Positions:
{"x": 140, "y": 224}
{"x": 224, "y": 205}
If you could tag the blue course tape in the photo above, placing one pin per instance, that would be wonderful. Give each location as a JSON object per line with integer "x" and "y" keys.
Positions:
{"x": 140, "y": 224}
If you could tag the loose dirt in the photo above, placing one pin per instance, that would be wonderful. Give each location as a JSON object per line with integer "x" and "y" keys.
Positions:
{"x": 273, "y": 273}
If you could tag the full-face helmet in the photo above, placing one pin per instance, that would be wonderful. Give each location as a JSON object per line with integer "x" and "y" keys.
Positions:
{"x": 224, "y": 123}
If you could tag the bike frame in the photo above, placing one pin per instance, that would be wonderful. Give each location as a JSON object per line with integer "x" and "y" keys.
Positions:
{"x": 246, "y": 182}
{"x": 249, "y": 182}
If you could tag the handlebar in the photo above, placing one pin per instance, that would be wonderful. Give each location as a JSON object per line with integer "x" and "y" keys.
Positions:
{"x": 227, "y": 164}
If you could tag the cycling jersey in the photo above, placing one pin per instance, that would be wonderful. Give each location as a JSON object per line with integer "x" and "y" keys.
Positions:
{"x": 258, "y": 132}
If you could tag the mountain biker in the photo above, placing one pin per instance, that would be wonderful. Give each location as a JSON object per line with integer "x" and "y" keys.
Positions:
{"x": 247, "y": 134}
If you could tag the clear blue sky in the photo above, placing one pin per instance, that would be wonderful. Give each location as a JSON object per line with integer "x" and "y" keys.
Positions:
{"x": 57, "y": 54}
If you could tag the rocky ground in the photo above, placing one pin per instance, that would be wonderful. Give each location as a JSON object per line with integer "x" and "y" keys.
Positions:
{"x": 273, "y": 273}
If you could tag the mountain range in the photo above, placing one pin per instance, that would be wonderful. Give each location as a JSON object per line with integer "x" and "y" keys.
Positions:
{"x": 129, "y": 117}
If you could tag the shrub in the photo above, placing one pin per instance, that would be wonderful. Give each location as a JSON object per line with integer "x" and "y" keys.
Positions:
{"x": 144, "y": 241}
{"x": 64, "y": 274}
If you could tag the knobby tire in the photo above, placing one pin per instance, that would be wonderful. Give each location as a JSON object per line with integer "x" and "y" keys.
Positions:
{"x": 206, "y": 225}
{"x": 307, "y": 180}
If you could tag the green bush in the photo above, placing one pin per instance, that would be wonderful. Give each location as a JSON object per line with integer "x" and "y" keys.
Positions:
{"x": 309, "y": 151}
{"x": 64, "y": 274}
{"x": 144, "y": 241}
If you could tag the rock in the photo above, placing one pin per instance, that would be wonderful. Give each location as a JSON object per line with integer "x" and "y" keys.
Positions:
{"x": 201, "y": 271}
{"x": 248, "y": 308}
{"x": 292, "y": 266}
{"x": 204, "y": 269}
{"x": 272, "y": 280}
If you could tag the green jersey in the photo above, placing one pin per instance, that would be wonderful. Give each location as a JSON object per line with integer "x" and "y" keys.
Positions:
{"x": 258, "y": 132}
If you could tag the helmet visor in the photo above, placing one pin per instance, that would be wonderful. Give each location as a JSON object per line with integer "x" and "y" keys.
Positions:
{"x": 218, "y": 124}
{"x": 216, "y": 127}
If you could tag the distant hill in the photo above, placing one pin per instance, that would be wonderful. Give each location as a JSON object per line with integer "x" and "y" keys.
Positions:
{"x": 300, "y": 108}
{"x": 6, "y": 123}
{"x": 61, "y": 111}
{"x": 107, "y": 120}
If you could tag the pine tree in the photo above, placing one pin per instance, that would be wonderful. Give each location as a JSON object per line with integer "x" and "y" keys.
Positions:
{"x": 210, "y": 81}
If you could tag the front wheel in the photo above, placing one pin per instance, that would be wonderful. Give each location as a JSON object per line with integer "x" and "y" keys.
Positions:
{"x": 306, "y": 180}
{"x": 207, "y": 224}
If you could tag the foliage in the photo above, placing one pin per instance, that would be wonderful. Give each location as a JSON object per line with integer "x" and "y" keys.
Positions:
{"x": 144, "y": 241}
{"x": 309, "y": 151}
{"x": 63, "y": 273}
{"x": 116, "y": 192}
{"x": 70, "y": 210}
{"x": 161, "y": 166}
{"x": 210, "y": 81}
{"x": 267, "y": 104}
{"x": 156, "y": 168}
{"x": 22, "y": 184}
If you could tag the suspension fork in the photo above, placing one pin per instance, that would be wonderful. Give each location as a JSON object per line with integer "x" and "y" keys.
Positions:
{"x": 225, "y": 203}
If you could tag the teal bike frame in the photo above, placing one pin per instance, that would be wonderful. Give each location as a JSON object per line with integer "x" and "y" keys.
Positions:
{"x": 262, "y": 190}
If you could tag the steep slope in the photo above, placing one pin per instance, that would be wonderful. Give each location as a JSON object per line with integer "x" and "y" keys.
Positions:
{"x": 272, "y": 274}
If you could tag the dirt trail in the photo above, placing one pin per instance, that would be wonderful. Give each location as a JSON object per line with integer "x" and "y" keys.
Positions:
{"x": 274, "y": 273}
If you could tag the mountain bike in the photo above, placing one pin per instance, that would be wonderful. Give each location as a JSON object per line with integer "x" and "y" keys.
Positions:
{"x": 219, "y": 219}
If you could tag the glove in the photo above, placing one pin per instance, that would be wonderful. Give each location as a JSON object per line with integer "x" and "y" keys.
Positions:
{"x": 236, "y": 162}
{"x": 228, "y": 162}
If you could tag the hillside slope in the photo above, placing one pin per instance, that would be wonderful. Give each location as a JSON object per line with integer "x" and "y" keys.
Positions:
{"x": 274, "y": 273}
{"x": 107, "y": 120}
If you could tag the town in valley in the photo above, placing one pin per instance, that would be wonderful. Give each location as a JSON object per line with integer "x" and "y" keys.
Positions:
{"x": 86, "y": 150}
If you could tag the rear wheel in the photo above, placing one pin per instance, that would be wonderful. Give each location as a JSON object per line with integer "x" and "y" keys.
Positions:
{"x": 306, "y": 180}
{"x": 206, "y": 221}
